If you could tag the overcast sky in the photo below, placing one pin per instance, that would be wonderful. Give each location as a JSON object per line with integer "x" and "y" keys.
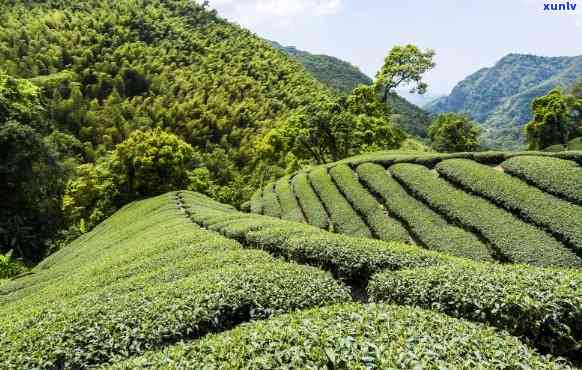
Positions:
{"x": 466, "y": 34}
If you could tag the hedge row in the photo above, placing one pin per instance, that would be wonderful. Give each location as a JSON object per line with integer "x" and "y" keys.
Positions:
{"x": 514, "y": 239}
{"x": 257, "y": 202}
{"x": 389, "y": 158}
{"x": 351, "y": 259}
{"x": 351, "y": 337}
{"x": 271, "y": 206}
{"x": 344, "y": 219}
{"x": 383, "y": 226}
{"x": 148, "y": 278}
{"x": 559, "y": 217}
{"x": 290, "y": 209}
{"x": 556, "y": 176}
{"x": 425, "y": 225}
{"x": 544, "y": 306}
{"x": 312, "y": 208}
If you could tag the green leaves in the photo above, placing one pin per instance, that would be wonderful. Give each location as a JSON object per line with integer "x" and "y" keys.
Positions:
{"x": 541, "y": 305}
{"x": 453, "y": 132}
{"x": 351, "y": 337}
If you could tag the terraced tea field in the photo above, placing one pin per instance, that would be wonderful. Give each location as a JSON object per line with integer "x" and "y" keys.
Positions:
{"x": 181, "y": 281}
{"x": 492, "y": 206}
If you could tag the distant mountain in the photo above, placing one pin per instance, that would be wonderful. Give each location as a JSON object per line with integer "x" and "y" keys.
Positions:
{"x": 343, "y": 77}
{"x": 500, "y": 97}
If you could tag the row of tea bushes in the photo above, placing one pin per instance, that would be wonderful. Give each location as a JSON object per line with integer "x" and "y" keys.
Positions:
{"x": 544, "y": 306}
{"x": 559, "y": 217}
{"x": 314, "y": 211}
{"x": 146, "y": 278}
{"x": 382, "y": 225}
{"x": 351, "y": 337}
{"x": 555, "y": 176}
{"x": 427, "y": 227}
{"x": 290, "y": 209}
{"x": 514, "y": 239}
{"x": 343, "y": 217}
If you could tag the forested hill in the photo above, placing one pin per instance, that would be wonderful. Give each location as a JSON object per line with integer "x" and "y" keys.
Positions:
{"x": 500, "y": 97}
{"x": 109, "y": 67}
{"x": 343, "y": 77}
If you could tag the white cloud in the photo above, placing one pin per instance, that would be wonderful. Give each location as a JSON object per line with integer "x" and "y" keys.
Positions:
{"x": 253, "y": 12}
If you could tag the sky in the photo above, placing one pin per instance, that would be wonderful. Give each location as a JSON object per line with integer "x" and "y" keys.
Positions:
{"x": 467, "y": 35}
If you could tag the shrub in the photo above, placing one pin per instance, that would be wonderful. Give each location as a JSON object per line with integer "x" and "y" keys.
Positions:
{"x": 147, "y": 277}
{"x": 383, "y": 226}
{"x": 513, "y": 239}
{"x": 559, "y": 217}
{"x": 351, "y": 337}
{"x": 290, "y": 209}
{"x": 344, "y": 219}
{"x": 9, "y": 267}
{"x": 310, "y": 204}
{"x": 556, "y": 176}
{"x": 544, "y": 306}
{"x": 425, "y": 225}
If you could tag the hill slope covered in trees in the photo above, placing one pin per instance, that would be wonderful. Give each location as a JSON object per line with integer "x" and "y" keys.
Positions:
{"x": 500, "y": 97}
{"x": 343, "y": 77}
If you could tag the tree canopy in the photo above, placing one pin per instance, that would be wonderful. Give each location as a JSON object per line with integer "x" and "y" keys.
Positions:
{"x": 454, "y": 132}
{"x": 404, "y": 65}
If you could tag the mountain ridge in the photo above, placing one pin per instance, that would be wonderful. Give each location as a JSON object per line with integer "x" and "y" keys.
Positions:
{"x": 499, "y": 97}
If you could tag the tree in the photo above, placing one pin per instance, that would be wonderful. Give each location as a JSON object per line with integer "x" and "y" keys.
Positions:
{"x": 152, "y": 162}
{"x": 453, "y": 132}
{"x": 552, "y": 123}
{"x": 31, "y": 172}
{"x": 331, "y": 130}
{"x": 404, "y": 65}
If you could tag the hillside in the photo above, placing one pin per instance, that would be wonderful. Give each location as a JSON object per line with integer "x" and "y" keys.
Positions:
{"x": 500, "y": 97}
{"x": 147, "y": 287}
{"x": 343, "y": 77}
{"x": 110, "y": 67}
{"x": 509, "y": 207}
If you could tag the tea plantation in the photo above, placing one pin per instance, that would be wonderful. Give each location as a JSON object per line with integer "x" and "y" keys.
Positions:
{"x": 381, "y": 261}
{"x": 490, "y": 206}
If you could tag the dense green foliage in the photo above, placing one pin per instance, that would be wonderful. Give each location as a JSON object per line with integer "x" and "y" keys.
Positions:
{"x": 512, "y": 239}
{"x": 351, "y": 337}
{"x": 33, "y": 170}
{"x": 557, "y": 216}
{"x": 556, "y": 120}
{"x": 344, "y": 78}
{"x": 453, "y": 132}
{"x": 542, "y": 305}
{"x": 500, "y": 97}
{"x": 146, "y": 164}
{"x": 330, "y": 130}
{"x": 543, "y": 172}
{"x": 145, "y": 278}
{"x": 343, "y": 217}
{"x": 425, "y": 225}
{"x": 382, "y": 225}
